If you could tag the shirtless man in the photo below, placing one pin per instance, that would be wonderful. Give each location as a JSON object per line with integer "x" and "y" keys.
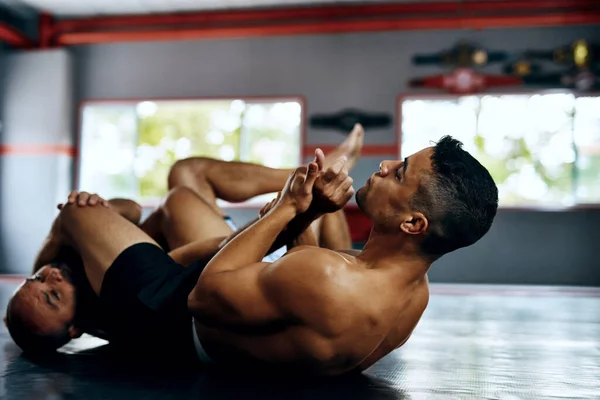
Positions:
{"x": 322, "y": 312}
{"x": 145, "y": 305}
{"x": 316, "y": 311}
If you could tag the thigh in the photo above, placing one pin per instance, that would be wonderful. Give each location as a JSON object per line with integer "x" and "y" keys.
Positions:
{"x": 188, "y": 218}
{"x": 99, "y": 235}
{"x": 335, "y": 232}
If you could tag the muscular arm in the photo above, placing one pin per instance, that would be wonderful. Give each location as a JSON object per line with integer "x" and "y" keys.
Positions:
{"x": 295, "y": 233}
{"x": 250, "y": 245}
{"x": 231, "y": 290}
{"x": 261, "y": 295}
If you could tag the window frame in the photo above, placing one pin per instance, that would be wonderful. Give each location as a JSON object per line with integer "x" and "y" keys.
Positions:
{"x": 447, "y": 96}
{"x": 77, "y": 161}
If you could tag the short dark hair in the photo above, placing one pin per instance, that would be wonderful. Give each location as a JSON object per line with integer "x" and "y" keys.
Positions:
{"x": 460, "y": 199}
{"x": 26, "y": 337}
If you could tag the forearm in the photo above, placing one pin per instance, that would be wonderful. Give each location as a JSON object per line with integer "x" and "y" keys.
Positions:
{"x": 128, "y": 209}
{"x": 306, "y": 238}
{"x": 252, "y": 244}
{"x": 296, "y": 231}
{"x": 202, "y": 250}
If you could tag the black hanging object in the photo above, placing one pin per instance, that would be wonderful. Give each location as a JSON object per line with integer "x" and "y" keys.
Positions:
{"x": 346, "y": 119}
{"x": 579, "y": 54}
{"x": 522, "y": 67}
{"x": 464, "y": 55}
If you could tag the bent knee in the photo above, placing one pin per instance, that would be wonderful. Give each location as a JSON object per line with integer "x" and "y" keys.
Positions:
{"x": 177, "y": 196}
{"x": 73, "y": 214}
{"x": 183, "y": 170}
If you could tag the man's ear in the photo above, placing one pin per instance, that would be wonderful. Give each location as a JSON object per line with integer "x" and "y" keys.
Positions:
{"x": 74, "y": 332}
{"x": 414, "y": 224}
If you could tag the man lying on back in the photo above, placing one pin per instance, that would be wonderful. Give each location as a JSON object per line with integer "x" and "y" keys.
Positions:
{"x": 97, "y": 271}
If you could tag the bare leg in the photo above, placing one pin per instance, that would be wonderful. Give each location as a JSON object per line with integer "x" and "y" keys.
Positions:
{"x": 230, "y": 181}
{"x": 129, "y": 209}
{"x": 237, "y": 181}
{"x": 334, "y": 232}
{"x": 99, "y": 235}
{"x": 186, "y": 218}
{"x": 152, "y": 226}
{"x": 350, "y": 148}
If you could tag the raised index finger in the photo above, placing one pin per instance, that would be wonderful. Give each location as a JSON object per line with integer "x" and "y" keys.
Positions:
{"x": 338, "y": 165}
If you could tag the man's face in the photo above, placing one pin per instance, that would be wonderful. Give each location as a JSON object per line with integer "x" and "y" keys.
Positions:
{"x": 48, "y": 299}
{"x": 386, "y": 196}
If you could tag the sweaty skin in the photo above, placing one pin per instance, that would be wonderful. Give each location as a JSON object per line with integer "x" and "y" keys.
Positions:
{"x": 318, "y": 311}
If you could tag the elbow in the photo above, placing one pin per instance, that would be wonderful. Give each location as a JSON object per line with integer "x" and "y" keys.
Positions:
{"x": 136, "y": 212}
{"x": 131, "y": 210}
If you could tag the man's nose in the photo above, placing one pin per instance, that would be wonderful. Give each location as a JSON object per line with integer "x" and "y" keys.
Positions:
{"x": 384, "y": 167}
{"x": 54, "y": 275}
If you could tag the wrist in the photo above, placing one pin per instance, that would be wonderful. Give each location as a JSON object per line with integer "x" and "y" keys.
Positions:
{"x": 286, "y": 210}
{"x": 313, "y": 212}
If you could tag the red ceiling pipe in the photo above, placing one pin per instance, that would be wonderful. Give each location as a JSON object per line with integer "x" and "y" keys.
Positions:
{"x": 45, "y": 30}
{"x": 14, "y": 38}
{"x": 325, "y": 27}
{"x": 323, "y": 12}
{"x": 529, "y": 5}
{"x": 262, "y": 15}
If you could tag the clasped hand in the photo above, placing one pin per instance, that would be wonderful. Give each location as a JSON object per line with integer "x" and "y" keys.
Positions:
{"x": 83, "y": 199}
{"x": 312, "y": 187}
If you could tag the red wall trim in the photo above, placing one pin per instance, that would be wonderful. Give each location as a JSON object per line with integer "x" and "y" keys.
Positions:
{"x": 14, "y": 38}
{"x": 37, "y": 149}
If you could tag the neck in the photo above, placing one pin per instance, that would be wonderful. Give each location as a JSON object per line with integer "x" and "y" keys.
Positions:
{"x": 385, "y": 249}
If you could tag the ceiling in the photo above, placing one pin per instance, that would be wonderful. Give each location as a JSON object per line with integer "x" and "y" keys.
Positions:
{"x": 86, "y": 8}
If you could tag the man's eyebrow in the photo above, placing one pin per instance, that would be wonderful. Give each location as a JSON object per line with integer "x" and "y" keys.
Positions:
{"x": 405, "y": 165}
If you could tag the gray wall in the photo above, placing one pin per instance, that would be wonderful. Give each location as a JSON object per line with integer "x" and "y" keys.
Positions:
{"x": 37, "y": 111}
{"x": 3, "y": 55}
{"x": 366, "y": 71}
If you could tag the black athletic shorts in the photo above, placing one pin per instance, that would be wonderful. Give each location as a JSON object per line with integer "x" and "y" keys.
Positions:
{"x": 144, "y": 303}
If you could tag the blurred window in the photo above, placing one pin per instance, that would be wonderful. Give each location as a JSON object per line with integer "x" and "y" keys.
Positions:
{"x": 126, "y": 149}
{"x": 541, "y": 149}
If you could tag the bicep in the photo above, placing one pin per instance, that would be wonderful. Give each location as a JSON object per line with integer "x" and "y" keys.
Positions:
{"x": 236, "y": 298}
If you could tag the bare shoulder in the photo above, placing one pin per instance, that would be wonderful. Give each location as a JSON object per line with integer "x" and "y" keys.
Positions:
{"x": 312, "y": 285}
{"x": 309, "y": 262}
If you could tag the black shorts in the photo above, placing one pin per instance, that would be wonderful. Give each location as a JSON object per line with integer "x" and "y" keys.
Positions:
{"x": 144, "y": 303}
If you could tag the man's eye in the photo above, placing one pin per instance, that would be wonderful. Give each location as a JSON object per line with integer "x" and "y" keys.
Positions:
{"x": 55, "y": 294}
